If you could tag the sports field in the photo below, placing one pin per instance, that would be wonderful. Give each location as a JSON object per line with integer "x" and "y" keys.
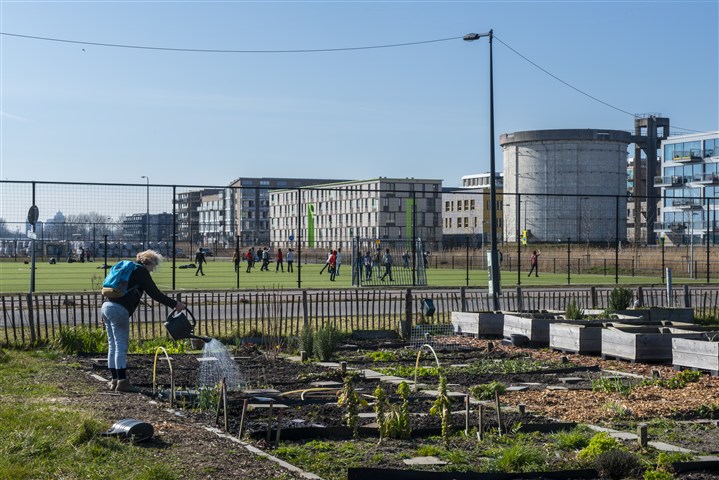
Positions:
{"x": 220, "y": 275}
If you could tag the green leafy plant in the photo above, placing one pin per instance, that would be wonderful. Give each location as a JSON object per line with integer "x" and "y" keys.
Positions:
{"x": 519, "y": 457}
{"x": 656, "y": 474}
{"x": 680, "y": 380}
{"x": 620, "y": 298}
{"x": 74, "y": 340}
{"x": 381, "y": 356}
{"x": 486, "y": 391}
{"x": 380, "y": 409}
{"x": 575, "y": 439}
{"x": 617, "y": 409}
{"x": 398, "y": 424}
{"x": 441, "y": 408}
{"x": 150, "y": 346}
{"x": 352, "y": 402}
{"x": 573, "y": 312}
{"x": 408, "y": 371}
{"x": 207, "y": 398}
{"x": 324, "y": 342}
{"x": 600, "y": 443}
{"x": 708, "y": 410}
{"x": 611, "y": 385}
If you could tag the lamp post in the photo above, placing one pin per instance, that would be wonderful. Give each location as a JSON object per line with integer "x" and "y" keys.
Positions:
{"x": 494, "y": 267}
{"x": 147, "y": 218}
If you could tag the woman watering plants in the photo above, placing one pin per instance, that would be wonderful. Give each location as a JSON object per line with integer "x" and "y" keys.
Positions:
{"x": 123, "y": 289}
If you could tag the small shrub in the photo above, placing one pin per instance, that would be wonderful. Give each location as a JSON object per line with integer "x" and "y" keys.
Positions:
{"x": 441, "y": 408}
{"x": 600, "y": 443}
{"x": 207, "y": 398}
{"x": 708, "y": 410}
{"x": 573, "y": 312}
{"x": 74, "y": 340}
{"x": 620, "y": 299}
{"x": 611, "y": 385}
{"x": 352, "y": 401}
{"x": 325, "y": 342}
{"x": 616, "y": 463}
{"x": 654, "y": 474}
{"x": 306, "y": 339}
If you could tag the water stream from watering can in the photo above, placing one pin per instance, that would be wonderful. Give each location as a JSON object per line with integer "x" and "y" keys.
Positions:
{"x": 217, "y": 363}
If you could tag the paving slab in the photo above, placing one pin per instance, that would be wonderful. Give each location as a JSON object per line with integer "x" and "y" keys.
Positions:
{"x": 571, "y": 380}
{"x": 424, "y": 461}
{"x": 325, "y": 384}
{"x": 556, "y": 387}
{"x": 517, "y": 388}
{"x": 665, "y": 447}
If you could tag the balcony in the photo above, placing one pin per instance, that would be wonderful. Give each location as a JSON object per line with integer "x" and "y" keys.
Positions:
{"x": 673, "y": 227}
{"x": 672, "y": 181}
{"x": 705, "y": 179}
{"x": 687, "y": 156}
{"x": 687, "y": 203}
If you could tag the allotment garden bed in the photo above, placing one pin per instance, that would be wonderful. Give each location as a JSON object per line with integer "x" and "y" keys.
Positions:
{"x": 548, "y": 399}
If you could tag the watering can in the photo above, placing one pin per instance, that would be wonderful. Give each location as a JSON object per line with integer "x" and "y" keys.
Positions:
{"x": 179, "y": 326}
{"x": 131, "y": 429}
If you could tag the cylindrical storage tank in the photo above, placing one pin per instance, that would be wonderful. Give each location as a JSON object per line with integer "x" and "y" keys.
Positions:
{"x": 569, "y": 183}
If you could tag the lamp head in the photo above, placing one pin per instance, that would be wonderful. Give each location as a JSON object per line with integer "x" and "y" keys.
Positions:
{"x": 470, "y": 37}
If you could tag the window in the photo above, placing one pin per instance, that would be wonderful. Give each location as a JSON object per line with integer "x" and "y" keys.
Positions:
{"x": 471, "y": 204}
{"x": 446, "y": 206}
{"x": 466, "y": 204}
{"x": 459, "y": 205}
{"x": 466, "y": 222}
{"x": 459, "y": 222}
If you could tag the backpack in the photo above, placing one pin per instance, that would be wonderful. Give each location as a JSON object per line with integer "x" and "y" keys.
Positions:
{"x": 115, "y": 284}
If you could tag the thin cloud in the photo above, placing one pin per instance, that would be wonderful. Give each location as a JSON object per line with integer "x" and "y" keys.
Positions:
{"x": 17, "y": 118}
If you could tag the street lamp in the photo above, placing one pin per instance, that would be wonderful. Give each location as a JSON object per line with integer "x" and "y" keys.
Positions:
{"x": 147, "y": 218}
{"x": 494, "y": 267}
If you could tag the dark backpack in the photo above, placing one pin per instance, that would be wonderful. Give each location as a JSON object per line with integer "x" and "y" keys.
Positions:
{"x": 116, "y": 282}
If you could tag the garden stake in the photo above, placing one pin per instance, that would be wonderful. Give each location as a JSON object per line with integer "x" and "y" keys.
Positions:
{"x": 343, "y": 367}
{"x": 642, "y": 435}
{"x": 224, "y": 402}
{"x": 480, "y": 426}
{"x": 219, "y": 402}
{"x": 499, "y": 412}
{"x": 269, "y": 423}
{"x": 522, "y": 408}
{"x": 466, "y": 415}
{"x": 279, "y": 426}
{"x": 242, "y": 418}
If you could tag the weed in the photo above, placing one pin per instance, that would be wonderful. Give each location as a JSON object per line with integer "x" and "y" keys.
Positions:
{"x": 207, "y": 398}
{"x": 430, "y": 451}
{"x": 656, "y": 474}
{"x": 620, "y": 299}
{"x": 74, "y": 340}
{"x": 708, "y": 410}
{"x": 352, "y": 401}
{"x": 680, "y": 380}
{"x": 617, "y": 409}
{"x": 158, "y": 472}
{"x": 150, "y": 346}
{"x": 407, "y": 371}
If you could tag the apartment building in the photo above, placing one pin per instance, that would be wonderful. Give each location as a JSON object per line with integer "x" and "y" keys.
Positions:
{"x": 689, "y": 188}
{"x": 331, "y": 215}
{"x": 466, "y": 212}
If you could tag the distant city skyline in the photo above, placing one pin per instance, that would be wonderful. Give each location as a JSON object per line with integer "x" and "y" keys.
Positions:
{"x": 90, "y": 113}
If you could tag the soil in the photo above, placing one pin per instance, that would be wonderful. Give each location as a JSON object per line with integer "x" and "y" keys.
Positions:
{"x": 573, "y": 402}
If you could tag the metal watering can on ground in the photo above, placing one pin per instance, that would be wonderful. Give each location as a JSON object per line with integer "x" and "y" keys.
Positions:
{"x": 180, "y": 327}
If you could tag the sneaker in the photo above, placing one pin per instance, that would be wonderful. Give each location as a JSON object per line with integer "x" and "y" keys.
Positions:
{"x": 124, "y": 385}
{"x": 112, "y": 384}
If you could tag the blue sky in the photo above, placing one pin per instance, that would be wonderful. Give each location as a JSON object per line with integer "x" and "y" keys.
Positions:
{"x": 74, "y": 112}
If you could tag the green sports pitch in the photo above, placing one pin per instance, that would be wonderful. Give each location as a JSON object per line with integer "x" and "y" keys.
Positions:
{"x": 220, "y": 275}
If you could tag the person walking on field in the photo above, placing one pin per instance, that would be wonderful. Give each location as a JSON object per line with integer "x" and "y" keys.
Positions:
{"x": 290, "y": 260}
{"x": 199, "y": 260}
{"x": 327, "y": 262}
{"x": 534, "y": 262}
{"x": 116, "y": 313}
{"x": 279, "y": 260}
{"x": 250, "y": 258}
{"x": 236, "y": 260}
{"x": 387, "y": 262}
{"x": 332, "y": 262}
{"x": 338, "y": 254}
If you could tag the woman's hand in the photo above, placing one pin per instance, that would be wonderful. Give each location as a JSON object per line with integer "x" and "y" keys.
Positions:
{"x": 179, "y": 307}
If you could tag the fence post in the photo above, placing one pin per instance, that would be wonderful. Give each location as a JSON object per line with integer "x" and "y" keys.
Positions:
{"x": 687, "y": 297}
{"x": 305, "y": 317}
{"x": 593, "y": 296}
{"x": 31, "y": 319}
{"x": 406, "y": 324}
{"x": 520, "y": 298}
{"x": 640, "y": 296}
{"x": 463, "y": 297}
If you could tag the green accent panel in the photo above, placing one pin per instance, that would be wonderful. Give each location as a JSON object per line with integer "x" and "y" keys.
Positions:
{"x": 409, "y": 219}
{"x": 310, "y": 225}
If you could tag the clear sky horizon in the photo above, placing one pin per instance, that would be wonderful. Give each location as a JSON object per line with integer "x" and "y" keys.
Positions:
{"x": 89, "y": 113}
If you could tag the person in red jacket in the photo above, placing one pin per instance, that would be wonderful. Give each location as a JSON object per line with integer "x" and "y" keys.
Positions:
{"x": 279, "y": 260}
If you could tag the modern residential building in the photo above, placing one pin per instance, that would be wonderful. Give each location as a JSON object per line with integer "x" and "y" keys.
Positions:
{"x": 466, "y": 213}
{"x": 689, "y": 188}
{"x": 250, "y": 204}
{"x": 331, "y": 215}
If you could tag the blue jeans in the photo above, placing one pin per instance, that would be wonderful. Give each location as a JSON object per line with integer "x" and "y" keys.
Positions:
{"x": 117, "y": 323}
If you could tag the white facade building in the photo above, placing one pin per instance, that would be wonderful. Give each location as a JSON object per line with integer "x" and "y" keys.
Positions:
{"x": 331, "y": 215}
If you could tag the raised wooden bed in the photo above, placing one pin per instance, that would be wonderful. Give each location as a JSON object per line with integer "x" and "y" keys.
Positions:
{"x": 478, "y": 323}
{"x": 700, "y": 353}
{"x": 671, "y": 314}
{"x": 642, "y": 343}
{"x": 576, "y": 337}
{"x": 534, "y": 327}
